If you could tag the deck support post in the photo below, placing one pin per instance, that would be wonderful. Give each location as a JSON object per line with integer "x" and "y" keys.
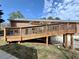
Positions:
{"x": 4, "y": 34}
{"x": 71, "y": 42}
{"x": 47, "y": 41}
{"x": 66, "y": 41}
{"x": 63, "y": 40}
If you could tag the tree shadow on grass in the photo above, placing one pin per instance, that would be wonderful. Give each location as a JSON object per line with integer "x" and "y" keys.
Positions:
{"x": 20, "y": 51}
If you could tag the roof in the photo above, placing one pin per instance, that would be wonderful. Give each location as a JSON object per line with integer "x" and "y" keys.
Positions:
{"x": 17, "y": 20}
{"x": 77, "y": 21}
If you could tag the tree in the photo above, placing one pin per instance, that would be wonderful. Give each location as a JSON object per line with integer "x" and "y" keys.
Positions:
{"x": 57, "y": 18}
{"x": 1, "y": 13}
{"x": 1, "y": 20}
{"x": 44, "y": 18}
{"x": 15, "y": 15}
{"x": 50, "y": 18}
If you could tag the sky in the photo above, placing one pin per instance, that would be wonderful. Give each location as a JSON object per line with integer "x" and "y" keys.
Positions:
{"x": 29, "y": 8}
{"x": 34, "y": 9}
{"x": 64, "y": 9}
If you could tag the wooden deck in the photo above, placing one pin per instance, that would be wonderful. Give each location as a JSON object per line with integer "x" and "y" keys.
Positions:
{"x": 39, "y": 31}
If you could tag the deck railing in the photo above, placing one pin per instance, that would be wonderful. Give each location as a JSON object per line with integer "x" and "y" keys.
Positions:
{"x": 53, "y": 29}
{"x": 41, "y": 29}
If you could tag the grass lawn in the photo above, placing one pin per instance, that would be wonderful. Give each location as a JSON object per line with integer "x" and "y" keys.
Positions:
{"x": 2, "y": 42}
{"x": 39, "y": 51}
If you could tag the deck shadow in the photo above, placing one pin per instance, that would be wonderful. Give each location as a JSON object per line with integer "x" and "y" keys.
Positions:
{"x": 20, "y": 51}
{"x": 39, "y": 40}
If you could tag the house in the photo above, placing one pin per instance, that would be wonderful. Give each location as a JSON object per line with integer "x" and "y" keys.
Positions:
{"x": 20, "y": 23}
{"x": 24, "y": 23}
{"x": 30, "y": 29}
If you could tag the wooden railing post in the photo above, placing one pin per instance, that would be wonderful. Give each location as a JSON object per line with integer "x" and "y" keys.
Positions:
{"x": 21, "y": 34}
{"x": 4, "y": 34}
{"x": 59, "y": 29}
{"x": 46, "y": 28}
{"x": 75, "y": 28}
{"x": 67, "y": 28}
